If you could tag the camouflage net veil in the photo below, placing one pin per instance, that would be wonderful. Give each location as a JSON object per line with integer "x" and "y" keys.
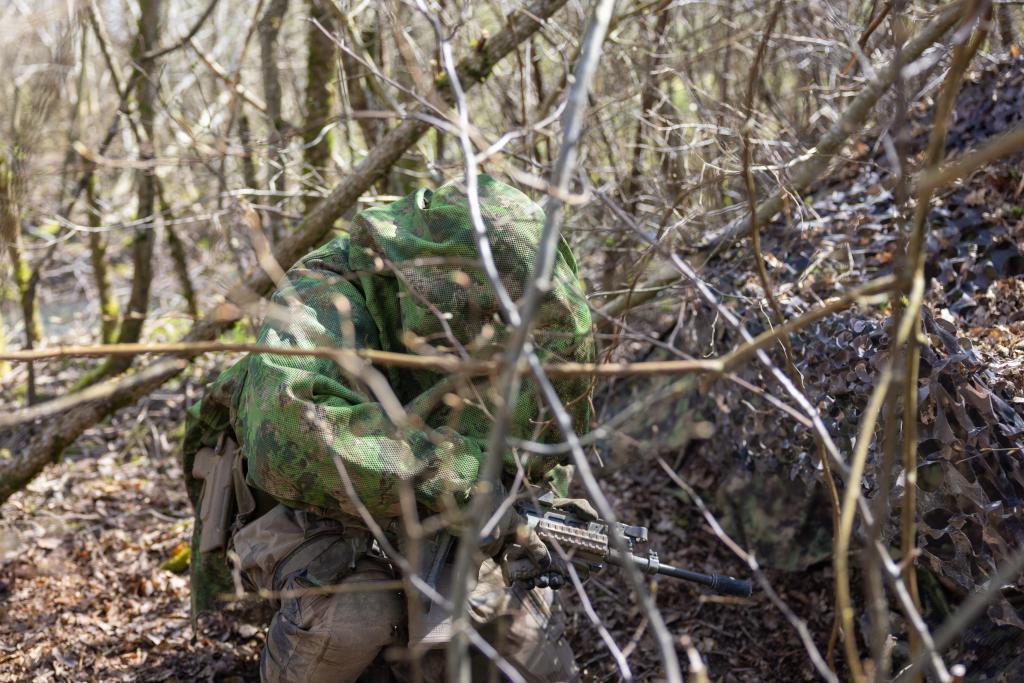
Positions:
{"x": 407, "y": 280}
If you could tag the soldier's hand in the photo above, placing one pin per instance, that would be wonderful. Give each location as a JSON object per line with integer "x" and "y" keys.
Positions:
{"x": 528, "y": 562}
{"x": 504, "y": 530}
{"x": 579, "y": 507}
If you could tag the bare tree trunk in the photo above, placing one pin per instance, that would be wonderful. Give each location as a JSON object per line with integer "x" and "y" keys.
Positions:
{"x": 142, "y": 245}
{"x": 723, "y": 75}
{"x": 359, "y": 98}
{"x": 11, "y": 177}
{"x": 321, "y": 70}
{"x": 109, "y": 310}
{"x": 178, "y": 257}
{"x": 632, "y": 187}
{"x": 142, "y": 248}
{"x": 245, "y": 137}
{"x": 270, "y": 27}
{"x": 648, "y": 98}
{"x": 1005, "y": 19}
{"x": 409, "y": 171}
{"x": 29, "y": 308}
{"x": 5, "y": 367}
{"x": 25, "y": 129}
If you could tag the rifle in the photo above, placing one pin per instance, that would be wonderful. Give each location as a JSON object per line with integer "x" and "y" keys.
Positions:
{"x": 587, "y": 545}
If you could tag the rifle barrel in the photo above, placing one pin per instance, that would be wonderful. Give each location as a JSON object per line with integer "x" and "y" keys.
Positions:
{"x": 725, "y": 585}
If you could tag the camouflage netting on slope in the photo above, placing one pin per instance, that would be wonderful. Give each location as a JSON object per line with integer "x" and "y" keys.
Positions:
{"x": 971, "y": 461}
{"x": 760, "y": 467}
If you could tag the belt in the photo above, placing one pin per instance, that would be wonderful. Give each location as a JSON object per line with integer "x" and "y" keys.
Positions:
{"x": 325, "y": 557}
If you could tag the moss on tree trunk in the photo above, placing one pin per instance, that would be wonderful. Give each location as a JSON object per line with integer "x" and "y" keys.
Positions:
{"x": 321, "y": 71}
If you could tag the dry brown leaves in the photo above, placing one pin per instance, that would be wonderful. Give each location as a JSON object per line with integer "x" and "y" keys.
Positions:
{"x": 82, "y": 592}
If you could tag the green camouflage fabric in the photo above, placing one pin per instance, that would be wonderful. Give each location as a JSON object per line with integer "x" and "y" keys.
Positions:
{"x": 405, "y": 279}
{"x": 205, "y": 421}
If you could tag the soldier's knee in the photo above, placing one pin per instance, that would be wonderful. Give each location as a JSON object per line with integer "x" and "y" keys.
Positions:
{"x": 329, "y": 637}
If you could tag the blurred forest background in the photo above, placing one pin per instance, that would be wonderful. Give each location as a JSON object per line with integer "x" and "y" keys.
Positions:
{"x": 838, "y": 180}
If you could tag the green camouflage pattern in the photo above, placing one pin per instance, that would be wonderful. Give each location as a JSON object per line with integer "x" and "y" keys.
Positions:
{"x": 205, "y": 421}
{"x": 405, "y": 279}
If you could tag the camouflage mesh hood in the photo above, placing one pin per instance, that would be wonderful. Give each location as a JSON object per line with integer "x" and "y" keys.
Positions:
{"x": 404, "y": 280}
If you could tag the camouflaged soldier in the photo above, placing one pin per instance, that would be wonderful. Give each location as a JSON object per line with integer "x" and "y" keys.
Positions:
{"x": 405, "y": 280}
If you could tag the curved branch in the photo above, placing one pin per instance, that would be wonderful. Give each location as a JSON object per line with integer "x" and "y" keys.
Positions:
{"x": 160, "y": 52}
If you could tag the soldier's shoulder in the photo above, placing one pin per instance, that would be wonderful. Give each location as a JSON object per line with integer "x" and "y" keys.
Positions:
{"x": 329, "y": 255}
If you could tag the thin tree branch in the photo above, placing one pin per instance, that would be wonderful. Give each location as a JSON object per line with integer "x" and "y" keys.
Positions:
{"x": 796, "y": 622}
{"x": 1004, "y": 145}
{"x": 187, "y": 39}
{"x": 970, "y": 610}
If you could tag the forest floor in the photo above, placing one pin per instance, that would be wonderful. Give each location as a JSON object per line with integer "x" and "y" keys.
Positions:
{"x": 84, "y": 595}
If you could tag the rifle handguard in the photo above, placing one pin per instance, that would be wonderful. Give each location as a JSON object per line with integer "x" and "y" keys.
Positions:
{"x": 573, "y": 538}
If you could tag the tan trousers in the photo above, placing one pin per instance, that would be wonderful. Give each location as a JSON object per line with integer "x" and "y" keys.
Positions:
{"x": 325, "y": 630}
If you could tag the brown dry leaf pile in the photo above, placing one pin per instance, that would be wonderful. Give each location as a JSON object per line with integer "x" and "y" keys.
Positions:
{"x": 82, "y": 592}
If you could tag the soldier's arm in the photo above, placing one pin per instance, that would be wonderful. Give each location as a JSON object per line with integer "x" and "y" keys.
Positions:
{"x": 296, "y": 413}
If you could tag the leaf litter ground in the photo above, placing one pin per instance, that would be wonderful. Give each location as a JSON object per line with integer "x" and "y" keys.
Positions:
{"x": 83, "y": 595}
